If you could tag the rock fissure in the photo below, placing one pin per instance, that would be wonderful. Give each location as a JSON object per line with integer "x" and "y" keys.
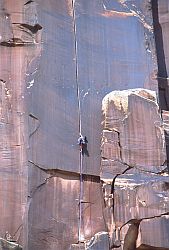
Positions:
{"x": 29, "y": 2}
{"x": 114, "y": 179}
{"x": 39, "y": 186}
{"x": 113, "y": 188}
{"x": 140, "y": 168}
{"x": 144, "y": 218}
{"x": 19, "y": 229}
{"x": 37, "y": 126}
{"x": 15, "y": 237}
{"x": 30, "y": 29}
{"x": 119, "y": 144}
{"x": 138, "y": 178}
{"x": 56, "y": 172}
{"x": 132, "y": 233}
{"x": 137, "y": 13}
{"x": 113, "y": 13}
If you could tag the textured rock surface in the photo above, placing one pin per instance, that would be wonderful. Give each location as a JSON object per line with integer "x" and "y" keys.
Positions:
{"x": 133, "y": 169}
{"x": 161, "y": 23}
{"x": 4, "y": 244}
{"x": 56, "y": 197}
{"x": 98, "y": 242}
{"x": 133, "y": 129}
{"x": 104, "y": 64}
{"x": 16, "y": 57}
{"x": 39, "y": 114}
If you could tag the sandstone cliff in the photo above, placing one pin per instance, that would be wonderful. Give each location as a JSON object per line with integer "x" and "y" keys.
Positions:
{"x": 59, "y": 59}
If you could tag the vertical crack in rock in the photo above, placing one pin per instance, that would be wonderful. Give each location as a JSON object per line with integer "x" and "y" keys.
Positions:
{"x": 80, "y": 237}
{"x": 163, "y": 85}
{"x": 36, "y": 127}
{"x": 119, "y": 144}
{"x": 17, "y": 233}
{"x": 162, "y": 68}
{"x": 120, "y": 147}
{"x": 113, "y": 187}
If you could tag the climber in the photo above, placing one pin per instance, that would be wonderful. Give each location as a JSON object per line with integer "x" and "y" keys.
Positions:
{"x": 82, "y": 141}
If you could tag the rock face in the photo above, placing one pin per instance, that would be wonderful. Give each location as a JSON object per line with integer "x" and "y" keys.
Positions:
{"x": 60, "y": 219}
{"x": 133, "y": 132}
{"x": 133, "y": 167}
{"x": 59, "y": 59}
{"x": 4, "y": 244}
{"x": 99, "y": 241}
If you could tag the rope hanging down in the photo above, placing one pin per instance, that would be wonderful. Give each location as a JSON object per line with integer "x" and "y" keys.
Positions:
{"x": 76, "y": 68}
{"x": 80, "y": 140}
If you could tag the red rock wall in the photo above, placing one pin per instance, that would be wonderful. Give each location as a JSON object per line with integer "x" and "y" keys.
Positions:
{"x": 58, "y": 61}
{"x": 136, "y": 179}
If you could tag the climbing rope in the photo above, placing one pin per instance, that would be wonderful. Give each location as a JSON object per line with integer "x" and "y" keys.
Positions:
{"x": 76, "y": 67}
{"x": 79, "y": 126}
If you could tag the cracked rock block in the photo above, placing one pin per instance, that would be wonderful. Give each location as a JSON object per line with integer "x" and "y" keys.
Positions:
{"x": 54, "y": 209}
{"x": 53, "y": 213}
{"x": 145, "y": 198}
{"x": 133, "y": 132}
{"x": 99, "y": 241}
{"x": 7, "y": 245}
{"x": 78, "y": 246}
{"x": 18, "y": 24}
{"x": 141, "y": 196}
{"x": 135, "y": 184}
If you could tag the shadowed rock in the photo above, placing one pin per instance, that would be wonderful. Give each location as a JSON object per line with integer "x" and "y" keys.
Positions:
{"x": 6, "y": 245}
{"x": 132, "y": 235}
